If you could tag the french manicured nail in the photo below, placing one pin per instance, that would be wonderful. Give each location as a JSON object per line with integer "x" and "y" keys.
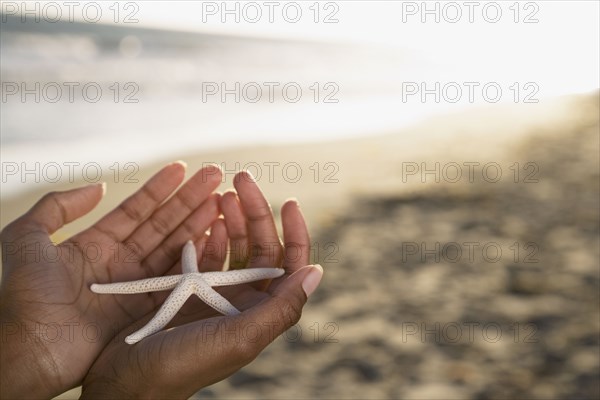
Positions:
{"x": 312, "y": 279}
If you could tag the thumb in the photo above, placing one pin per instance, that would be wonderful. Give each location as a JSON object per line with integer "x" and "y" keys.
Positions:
{"x": 56, "y": 209}
{"x": 228, "y": 343}
{"x": 284, "y": 308}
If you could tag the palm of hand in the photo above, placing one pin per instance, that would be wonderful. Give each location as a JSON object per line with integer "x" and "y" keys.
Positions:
{"x": 141, "y": 238}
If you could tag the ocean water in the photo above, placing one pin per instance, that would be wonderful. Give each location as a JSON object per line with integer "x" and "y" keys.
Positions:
{"x": 80, "y": 93}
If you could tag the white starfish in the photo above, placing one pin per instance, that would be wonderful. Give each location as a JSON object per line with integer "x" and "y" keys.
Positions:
{"x": 191, "y": 281}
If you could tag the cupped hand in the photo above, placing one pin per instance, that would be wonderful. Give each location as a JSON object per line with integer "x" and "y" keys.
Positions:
{"x": 200, "y": 346}
{"x": 53, "y": 327}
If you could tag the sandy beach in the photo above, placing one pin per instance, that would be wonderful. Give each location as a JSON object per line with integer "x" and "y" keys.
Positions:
{"x": 446, "y": 157}
{"x": 436, "y": 286}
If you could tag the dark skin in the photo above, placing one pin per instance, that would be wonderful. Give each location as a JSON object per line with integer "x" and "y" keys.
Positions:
{"x": 44, "y": 285}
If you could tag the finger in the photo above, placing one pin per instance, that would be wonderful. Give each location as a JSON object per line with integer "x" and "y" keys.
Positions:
{"x": 215, "y": 248}
{"x": 132, "y": 212}
{"x": 59, "y": 208}
{"x": 266, "y": 249}
{"x": 191, "y": 357}
{"x": 54, "y": 210}
{"x": 296, "y": 237}
{"x": 48, "y": 215}
{"x": 284, "y": 308}
{"x": 222, "y": 342}
{"x": 168, "y": 217}
{"x": 235, "y": 222}
{"x": 297, "y": 240}
{"x": 193, "y": 228}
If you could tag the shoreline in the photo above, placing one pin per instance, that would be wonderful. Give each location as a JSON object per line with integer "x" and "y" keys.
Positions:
{"x": 342, "y": 169}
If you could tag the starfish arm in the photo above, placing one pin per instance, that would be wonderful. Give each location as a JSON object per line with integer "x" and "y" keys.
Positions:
{"x": 212, "y": 298}
{"x": 234, "y": 277}
{"x": 165, "y": 314}
{"x": 140, "y": 286}
{"x": 189, "y": 258}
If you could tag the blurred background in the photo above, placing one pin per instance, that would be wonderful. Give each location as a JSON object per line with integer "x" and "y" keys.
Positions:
{"x": 445, "y": 155}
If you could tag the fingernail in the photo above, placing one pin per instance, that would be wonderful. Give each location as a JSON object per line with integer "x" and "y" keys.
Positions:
{"x": 182, "y": 163}
{"x": 252, "y": 179}
{"x": 312, "y": 279}
{"x": 103, "y": 188}
{"x": 295, "y": 200}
